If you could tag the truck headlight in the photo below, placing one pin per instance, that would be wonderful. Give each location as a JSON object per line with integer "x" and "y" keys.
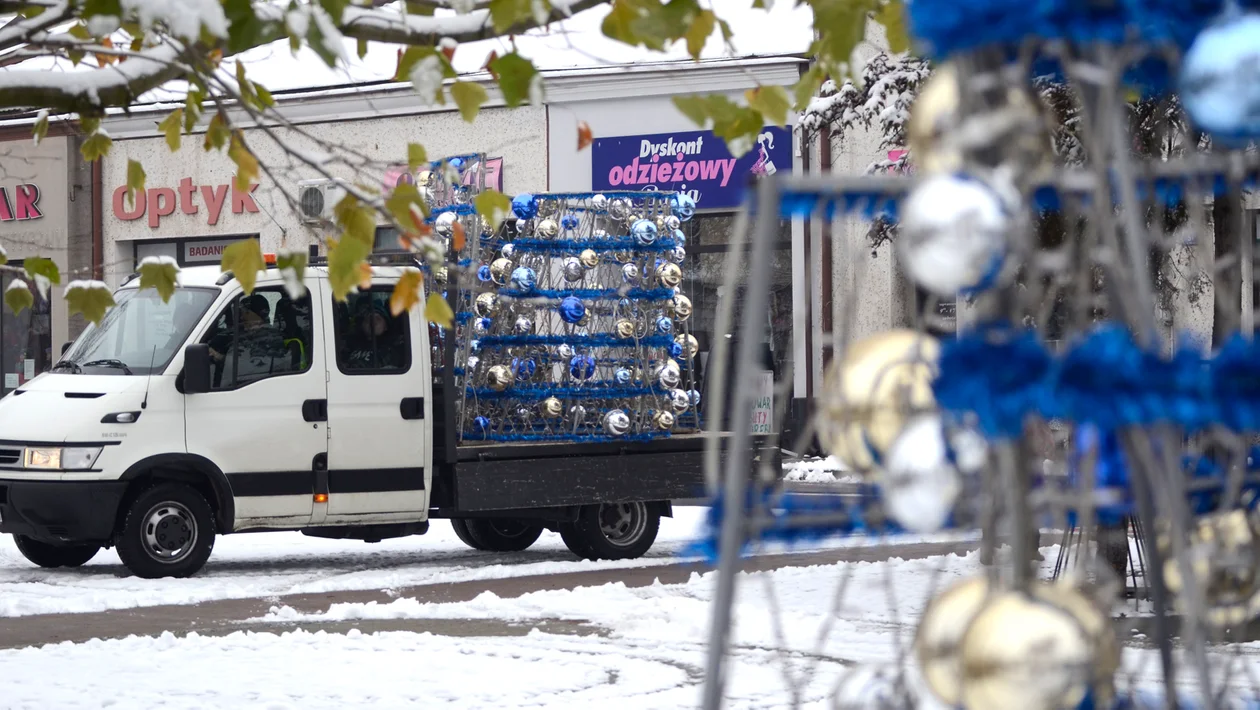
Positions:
{"x": 74, "y": 458}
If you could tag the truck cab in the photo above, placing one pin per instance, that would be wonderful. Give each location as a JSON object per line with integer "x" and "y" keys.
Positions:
{"x": 217, "y": 412}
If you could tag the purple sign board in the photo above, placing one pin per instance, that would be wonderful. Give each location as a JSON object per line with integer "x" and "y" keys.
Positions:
{"x": 695, "y": 162}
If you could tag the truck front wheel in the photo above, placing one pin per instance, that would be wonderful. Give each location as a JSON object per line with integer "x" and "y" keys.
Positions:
{"x": 48, "y": 555}
{"x": 612, "y": 531}
{"x": 502, "y": 534}
{"x": 168, "y": 532}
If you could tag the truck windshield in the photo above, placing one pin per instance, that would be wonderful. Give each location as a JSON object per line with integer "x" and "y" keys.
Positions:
{"x": 140, "y": 334}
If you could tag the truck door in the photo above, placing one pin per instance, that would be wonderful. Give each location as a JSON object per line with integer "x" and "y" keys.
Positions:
{"x": 377, "y": 410}
{"x": 264, "y": 422}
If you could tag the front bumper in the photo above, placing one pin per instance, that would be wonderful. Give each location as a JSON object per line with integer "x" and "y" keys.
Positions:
{"x": 60, "y": 511}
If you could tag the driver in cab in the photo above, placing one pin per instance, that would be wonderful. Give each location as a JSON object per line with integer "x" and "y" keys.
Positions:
{"x": 259, "y": 350}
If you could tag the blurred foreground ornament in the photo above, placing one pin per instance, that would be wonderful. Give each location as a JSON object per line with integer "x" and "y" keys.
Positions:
{"x": 920, "y": 484}
{"x": 953, "y": 235}
{"x": 1220, "y": 78}
{"x": 869, "y": 393}
{"x": 1224, "y": 554}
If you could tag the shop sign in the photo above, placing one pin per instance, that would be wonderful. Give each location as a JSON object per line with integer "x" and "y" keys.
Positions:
{"x": 206, "y": 251}
{"x": 397, "y": 174}
{"x": 159, "y": 202}
{"x": 20, "y": 203}
{"x": 695, "y": 162}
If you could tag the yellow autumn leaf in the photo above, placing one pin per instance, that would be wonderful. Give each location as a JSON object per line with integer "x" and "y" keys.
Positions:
{"x": 406, "y": 292}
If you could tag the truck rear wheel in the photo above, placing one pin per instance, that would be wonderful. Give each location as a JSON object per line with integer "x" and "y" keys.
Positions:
{"x": 502, "y": 534}
{"x": 612, "y": 531}
{"x": 168, "y": 532}
{"x": 48, "y": 555}
{"x": 460, "y": 526}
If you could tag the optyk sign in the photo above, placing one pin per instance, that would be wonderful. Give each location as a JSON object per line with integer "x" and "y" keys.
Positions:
{"x": 158, "y": 202}
{"x": 695, "y": 162}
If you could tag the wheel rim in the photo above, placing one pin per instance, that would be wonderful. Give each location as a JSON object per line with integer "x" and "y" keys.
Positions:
{"x": 509, "y": 528}
{"x": 170, "y": 532}
{"x": 622, "y": 523}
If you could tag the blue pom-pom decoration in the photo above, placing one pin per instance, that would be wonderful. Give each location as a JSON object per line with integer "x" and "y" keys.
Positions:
{"x": 457, "y": 163}
{"x": 572, "y": 309}
{"x": 524, "y": 206}
{"x": 569, "y": 222}
{"x": 481, "y": 424}
{"x": 524, "y": 279}
{"x": 582, "y": 367}
{"x": 675, "y": 350}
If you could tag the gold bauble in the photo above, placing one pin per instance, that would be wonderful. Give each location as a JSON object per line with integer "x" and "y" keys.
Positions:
{"x": 871, "y": 392}
{"x": 663, "y": 420}
{"x": 1024, "y": 651}
{"x": 548, "y": 229}
{"x": 440, "y": 275}
{"x": 680, "y": 307}
{"x": 624, "y": 328}
{"x": 940, "y": 632}
{"x": 690, "y": 345}
{"x": 500, "y": 270}
{"x": 623, "y": 257}
{"x": 669, "y": 274}
{"x": 499, "y": 377}
{"x": 933, "y": 117}
{"x": 551, "y": 407}
{"x": 589, "y": 258}
{"x": 1226, "y": 572}
{"x": 486, "y": 304}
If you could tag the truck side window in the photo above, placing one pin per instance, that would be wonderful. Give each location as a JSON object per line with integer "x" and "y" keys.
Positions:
{"x": 370, "y": 340}
{"x": 264, "y": 334}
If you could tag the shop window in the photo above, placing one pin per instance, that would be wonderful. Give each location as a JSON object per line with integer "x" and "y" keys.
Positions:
{"x": 25, "y": 338}
{"x": 371, "y": 341}
{"x": 265, "y": 334}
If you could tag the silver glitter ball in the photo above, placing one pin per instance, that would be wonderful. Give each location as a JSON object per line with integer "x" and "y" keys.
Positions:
{"x": 573, "y": 269}
{"x": 524, "y": 325}
{"x": 616, "y": 423}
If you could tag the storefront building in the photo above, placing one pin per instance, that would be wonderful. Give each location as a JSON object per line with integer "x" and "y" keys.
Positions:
{"x": 191, "y": 210}
{"x": 45, "y": 211}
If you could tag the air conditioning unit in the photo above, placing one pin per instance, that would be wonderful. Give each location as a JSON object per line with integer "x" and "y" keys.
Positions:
{"x": 317, "y": 198}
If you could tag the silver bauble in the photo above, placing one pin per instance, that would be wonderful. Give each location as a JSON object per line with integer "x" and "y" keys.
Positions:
{"x": 523, "y": 325}
{"x": 547, "y": 229}
{"x": 630, "y": 273}
{"x": 680, "y": 307}
{"x": 445, "y": 223}
{"x": 669, "y": 275}
{"x": 500, "y": 270}
{"x": 679, "y": 400}
{"x": 690, "y": 346}
{"x": 572, "y": 269}
{"x": 616, "y": 423}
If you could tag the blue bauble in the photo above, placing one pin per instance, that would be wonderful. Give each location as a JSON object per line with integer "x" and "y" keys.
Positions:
{"x": 622, "y": 376}
{"x": 582, "y": 367}
{"x": 675, "y": 350}
{"x": 694, "y": 396}
{"x": 643, "y": 231}
{"x": 482, "y": 424}
{"x": 457, "y": 163}
{"x": 523, "y": 368}
{"x": 569, "y": 222}
{"x": 664, "y": 325}
{"x": 1220, "y": 79}
{"x": 571, "y": 309}
{"x": 684, "y": 206}
{"x": 524, "y": 206}
{"x": 483, "y": 272}
{"x": 679, "y": 238}
{"x": 524, "y": 278}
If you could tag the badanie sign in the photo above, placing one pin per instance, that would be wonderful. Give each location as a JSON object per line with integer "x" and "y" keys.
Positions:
{"x": 694, "y": 162}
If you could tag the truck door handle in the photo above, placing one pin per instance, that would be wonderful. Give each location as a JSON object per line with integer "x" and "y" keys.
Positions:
{"x": 315, "y": 410}
{"x": 412, "y": 408}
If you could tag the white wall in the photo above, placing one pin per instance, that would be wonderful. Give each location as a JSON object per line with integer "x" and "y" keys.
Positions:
{"x": 516, "y": 135}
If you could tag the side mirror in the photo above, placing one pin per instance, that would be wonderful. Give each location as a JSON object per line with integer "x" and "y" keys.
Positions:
{"x": 197, "y": 368}
{"x": 66, "y": 346}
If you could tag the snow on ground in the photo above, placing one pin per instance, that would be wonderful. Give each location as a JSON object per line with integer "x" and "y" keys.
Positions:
{"x": 646, "y": 650}
{"x": 828, "y": 470}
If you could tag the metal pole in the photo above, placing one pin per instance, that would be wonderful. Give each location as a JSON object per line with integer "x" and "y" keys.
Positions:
{"x": 738, "y": 459}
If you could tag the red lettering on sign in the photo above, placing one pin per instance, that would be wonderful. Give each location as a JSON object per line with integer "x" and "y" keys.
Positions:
{"x": 120, "y": 205}
{"x": 155, "y": 203}
{"x": 20, "y": 203}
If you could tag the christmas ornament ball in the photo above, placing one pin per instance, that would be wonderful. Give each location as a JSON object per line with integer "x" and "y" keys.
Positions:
{"x": 572, "y": 269}
{"x": 920, "y": 483}
{"x": 499, "y": 377}
{"x": 524, "y": 206}
{"x": 445, "y": 223}
{"x": 524, "y": 279}
{"x": 616, "y": 423}
{"x": 571, "y": 310}
{"x": 644, "y": 232}
{"x": 551, "y": 407}
{"x": 953, "y": 234}
{"x": 668, "y": 274}
{"x": 589, "y": 258}
{"x": 1218, "y": 83}
{"x": 500, "y": 269}
{"x": 486, "y": 304}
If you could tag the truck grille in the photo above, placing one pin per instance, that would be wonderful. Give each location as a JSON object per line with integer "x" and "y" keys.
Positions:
{"x": 10, "y": 457}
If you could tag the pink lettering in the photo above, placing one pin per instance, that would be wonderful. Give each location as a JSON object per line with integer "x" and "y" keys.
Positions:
{"x": 728, "y": 167}
{"x": 662, "y": 172}
{"x": 120, "y": 205}
{"x": 708, "y": 170}
{"x": 163, "y": 201}
{"x": 28, "y": 202}
{"x": 243, "y": 200}
{"x": 6, "y": 212}
{"x": 614, "y": 175}
{"x": 186, "y": 190}
{"x": 693, "y": 169}
{"x": 213, "y": 197}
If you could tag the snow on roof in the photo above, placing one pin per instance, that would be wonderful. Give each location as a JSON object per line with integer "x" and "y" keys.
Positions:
{"x": 573, "y": 45}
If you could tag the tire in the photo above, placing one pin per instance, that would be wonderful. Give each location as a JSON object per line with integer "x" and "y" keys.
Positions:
{"x": 574, "y": 541}
{"x": 460, "y": 526}
{"x": 503, "y": 534}
{"x": 615, "y": 531}
{"x": 168, "y": 532}
{"x": 52, "y": 556}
